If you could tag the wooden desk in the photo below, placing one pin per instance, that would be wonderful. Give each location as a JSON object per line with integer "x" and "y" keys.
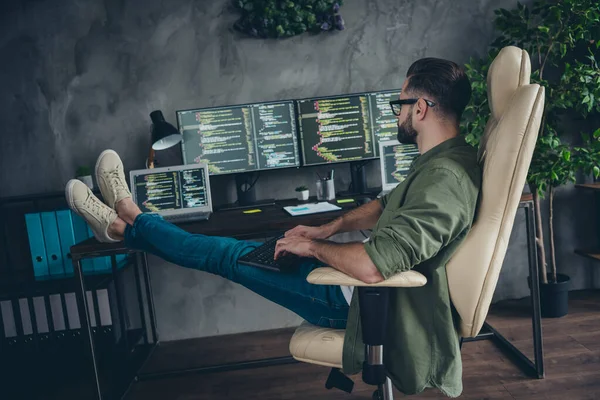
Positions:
{"x": 234, "y": 223}
{"x": 231, "y": 223}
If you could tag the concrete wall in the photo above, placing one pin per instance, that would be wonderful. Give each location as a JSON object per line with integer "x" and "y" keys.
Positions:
{"x": 81, "y": 76}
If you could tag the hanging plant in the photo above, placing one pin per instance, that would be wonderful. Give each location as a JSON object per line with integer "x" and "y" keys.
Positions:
{"x": 285, "y": 18}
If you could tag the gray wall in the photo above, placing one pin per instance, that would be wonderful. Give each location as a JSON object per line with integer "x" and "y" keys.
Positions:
{"x": 81, "y": 76}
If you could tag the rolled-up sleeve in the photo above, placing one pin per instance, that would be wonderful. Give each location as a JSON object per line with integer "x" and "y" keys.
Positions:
{"x": 436, "y": 210}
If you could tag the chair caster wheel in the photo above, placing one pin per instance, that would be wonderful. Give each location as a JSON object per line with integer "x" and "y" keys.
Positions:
{"x": 377, "y": 395}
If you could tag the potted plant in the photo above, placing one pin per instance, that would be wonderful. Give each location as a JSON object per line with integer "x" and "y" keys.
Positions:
{"x": 561, "y": 39}
{"x": 551, "y": 167}
{"x": 302, "y": 193}
{"x": 84, "y": 174}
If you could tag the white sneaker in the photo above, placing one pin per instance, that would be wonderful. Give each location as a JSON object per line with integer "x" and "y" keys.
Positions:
{"x": 111, "y": 178}
{"x": 97, "y": 214}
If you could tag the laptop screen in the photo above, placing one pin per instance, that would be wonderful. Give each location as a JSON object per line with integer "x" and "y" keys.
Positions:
{"x": 171, "y": 190}
{"x": 396, "y": 160}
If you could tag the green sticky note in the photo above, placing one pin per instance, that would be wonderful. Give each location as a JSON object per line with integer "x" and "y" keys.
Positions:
{"x": 342, "y": 201}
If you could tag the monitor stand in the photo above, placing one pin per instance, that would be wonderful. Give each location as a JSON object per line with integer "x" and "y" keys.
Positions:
{"x": 245, "y": 187}
{"x": 359, "y": 178}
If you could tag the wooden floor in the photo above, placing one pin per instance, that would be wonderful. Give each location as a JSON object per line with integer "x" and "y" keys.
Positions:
{"x": 571, "y": 348}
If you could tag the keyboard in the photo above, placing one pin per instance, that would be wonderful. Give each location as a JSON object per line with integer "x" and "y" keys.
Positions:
{"x": 262, "y": 257}
{"x": 191, "y": 217}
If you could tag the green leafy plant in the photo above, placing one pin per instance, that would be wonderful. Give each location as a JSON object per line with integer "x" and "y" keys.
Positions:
{"x": 285, "y": 18}
{"x": 83, "y": 171}
{"x": 561, "y": 38}
{"x": 301, "y": 188}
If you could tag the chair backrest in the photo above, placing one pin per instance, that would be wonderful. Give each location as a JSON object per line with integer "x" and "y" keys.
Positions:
{"x": 505, "y": 153}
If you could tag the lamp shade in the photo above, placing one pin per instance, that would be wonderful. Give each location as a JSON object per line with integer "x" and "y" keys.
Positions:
{"x": 164, "y": 135}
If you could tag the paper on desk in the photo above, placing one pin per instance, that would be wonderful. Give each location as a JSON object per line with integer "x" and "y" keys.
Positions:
{"x": 311, "y": 208}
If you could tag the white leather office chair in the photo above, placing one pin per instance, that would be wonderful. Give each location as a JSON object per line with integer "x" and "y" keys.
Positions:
{"x": 505, "y": 153}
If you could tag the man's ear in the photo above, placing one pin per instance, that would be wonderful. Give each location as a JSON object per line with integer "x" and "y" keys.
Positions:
{"x": 421, "y": 110}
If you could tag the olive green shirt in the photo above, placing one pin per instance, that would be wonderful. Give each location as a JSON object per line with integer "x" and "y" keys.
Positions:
{"x": 424, "y": 220}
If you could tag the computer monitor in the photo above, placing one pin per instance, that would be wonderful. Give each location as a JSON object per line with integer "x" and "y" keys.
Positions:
{"x": 335, "y": 129}
{"x": 384, "y": 122}
{"x": 346, "y": 128}
{"x": 172, "y": 190}
{"x": 240, "y": 138}
{"x": 396, "y": 159}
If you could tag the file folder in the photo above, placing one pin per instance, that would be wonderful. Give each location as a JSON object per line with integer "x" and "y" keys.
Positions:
{"x": 80, "y": 230}
{"x": 36, "y": 244}
{"x": 52, "y": 241}
{"x": 67, "y": 238}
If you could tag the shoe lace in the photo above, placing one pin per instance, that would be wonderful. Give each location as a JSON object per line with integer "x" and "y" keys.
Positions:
{"x": 115, "y": 179}
{"x": 97, "y": 207}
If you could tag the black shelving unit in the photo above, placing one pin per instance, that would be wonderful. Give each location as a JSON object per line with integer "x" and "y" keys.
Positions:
{"x": 43, "y": 335}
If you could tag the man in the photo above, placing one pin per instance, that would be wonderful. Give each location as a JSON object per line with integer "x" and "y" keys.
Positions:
{"x": 418, "y": 225}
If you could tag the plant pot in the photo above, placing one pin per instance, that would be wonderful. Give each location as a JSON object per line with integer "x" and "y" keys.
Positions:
{"x": 554, "y": 297}
{"x": 303, "y": 195}
{"x": 87, "y": 180}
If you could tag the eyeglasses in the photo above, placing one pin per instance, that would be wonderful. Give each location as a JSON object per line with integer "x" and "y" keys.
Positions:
{"x": 397, "y": 104}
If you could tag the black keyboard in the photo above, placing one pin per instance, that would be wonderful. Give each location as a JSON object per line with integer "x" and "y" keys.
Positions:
{"x": 262, "y": 257}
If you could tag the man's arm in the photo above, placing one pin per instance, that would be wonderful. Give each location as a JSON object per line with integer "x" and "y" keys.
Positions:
{"x": 436, "y": 209}
{"x": 363, "y": 217}
{"x": 350, "y": 258}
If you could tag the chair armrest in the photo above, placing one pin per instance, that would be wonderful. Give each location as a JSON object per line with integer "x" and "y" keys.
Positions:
{"x": 331, "y": 276}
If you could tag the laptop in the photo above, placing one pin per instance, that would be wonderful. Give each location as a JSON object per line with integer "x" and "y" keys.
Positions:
{"x": 395, "y": 161}
{"x": 179, "y": 193}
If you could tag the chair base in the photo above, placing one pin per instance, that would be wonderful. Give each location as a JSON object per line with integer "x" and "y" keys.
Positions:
{"x": 337, "y": 379}
{"x": 384, "y": 392}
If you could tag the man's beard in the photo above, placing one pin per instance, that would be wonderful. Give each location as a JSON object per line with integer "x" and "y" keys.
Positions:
{"x": 406, "y": 132}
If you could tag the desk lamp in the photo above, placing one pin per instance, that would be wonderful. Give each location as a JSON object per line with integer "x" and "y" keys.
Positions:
{"x": 164, "y": 135}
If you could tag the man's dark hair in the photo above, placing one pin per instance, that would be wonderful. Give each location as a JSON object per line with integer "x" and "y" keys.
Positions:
{"x": 444, "y": 82}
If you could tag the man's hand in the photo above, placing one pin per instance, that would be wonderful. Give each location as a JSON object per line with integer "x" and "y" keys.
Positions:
{"x": 309, "y": 232}
{"x": 298, "y": 245}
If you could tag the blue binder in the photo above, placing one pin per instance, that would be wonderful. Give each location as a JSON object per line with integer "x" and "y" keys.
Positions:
{"x": 36, "y": 244}
{"x": 67, "y": 238}
{"x": 121, "y": 260}
{"x": 80, "y": 230}
{"x": 52, "y": 240}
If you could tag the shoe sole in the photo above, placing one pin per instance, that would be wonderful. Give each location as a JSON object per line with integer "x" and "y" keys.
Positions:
{"x": 98, "y": 165}
{"x": 69, "y": 195}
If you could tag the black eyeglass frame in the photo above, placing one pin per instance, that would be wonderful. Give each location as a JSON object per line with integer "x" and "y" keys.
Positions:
{"x": 401, "y": 102}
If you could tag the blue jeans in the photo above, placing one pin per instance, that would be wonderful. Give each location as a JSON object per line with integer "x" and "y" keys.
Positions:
{"x": 321, "y": 305}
